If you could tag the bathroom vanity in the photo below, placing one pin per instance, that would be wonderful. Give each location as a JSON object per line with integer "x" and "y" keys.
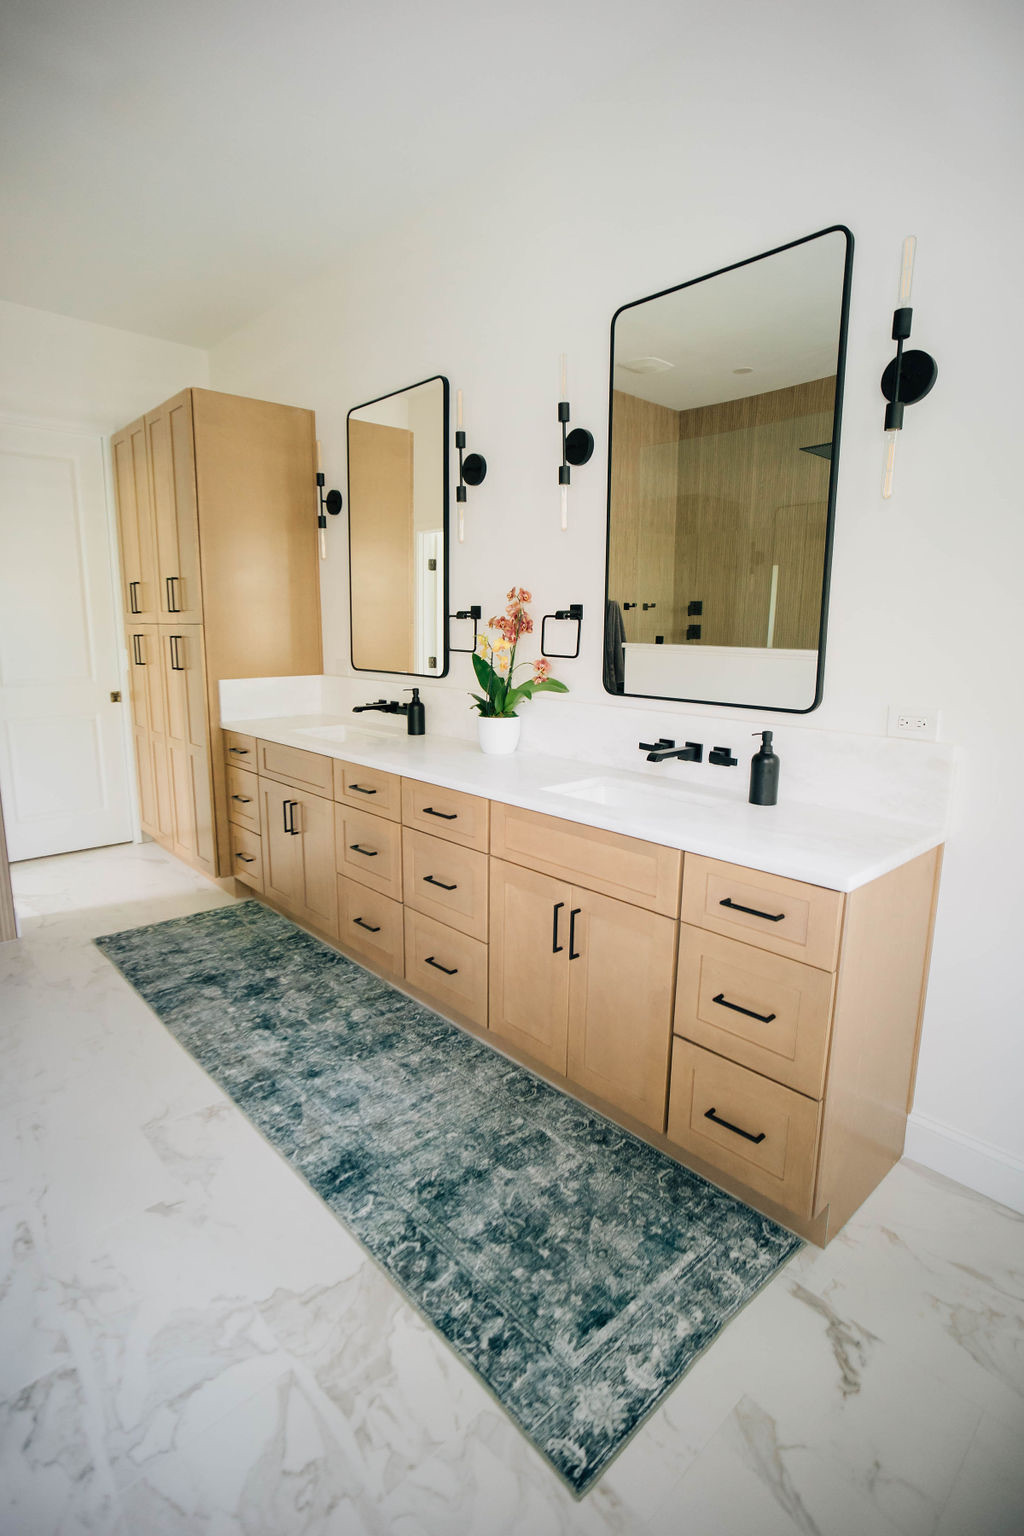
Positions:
{"x": 742, "y": 988}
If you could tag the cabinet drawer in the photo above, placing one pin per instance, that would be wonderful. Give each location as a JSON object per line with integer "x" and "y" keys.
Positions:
{"x": 766, "y": 1012}
{"x": 644, "y": 874}
{"x": 369, "y": 850}
{"x": 291, "y": 765}
{"x": 445, "y": 881}
{"x": 448, "y": 966}
{"x": 368, "y": 789}
{"x": 246, "y": 856}
{"x": 785, "y": 916}
{"x": 243, "y": 798}
{"x": 447, "y": 813}
{"x": 371, "y": 926}
{"x": 240, "y": 749}
{"x": 770, "y": 1140}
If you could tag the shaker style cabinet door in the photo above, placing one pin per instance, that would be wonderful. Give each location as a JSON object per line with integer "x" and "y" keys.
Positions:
{"x": 135, "y": 524}
{"x": 297, "y": 832}
{"x": 172, "y": 474}
{"x": 181, "y": 649}
{"x": 529, "y": 987}
{"x": 621, "y": 985}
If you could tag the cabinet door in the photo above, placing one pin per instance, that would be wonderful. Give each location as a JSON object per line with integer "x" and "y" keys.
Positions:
{"x": 529, "y": 988}
{"x": 621, "y": 985}
{"x": 172, "y": 474}
{"x": 135, "y": 523}
{"x": 282, "y": 857}
{"x": 298, "y": 854}
{"x": 188, "y": 751}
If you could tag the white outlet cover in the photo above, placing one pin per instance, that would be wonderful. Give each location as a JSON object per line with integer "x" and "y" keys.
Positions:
{"x": 913, "y": 722}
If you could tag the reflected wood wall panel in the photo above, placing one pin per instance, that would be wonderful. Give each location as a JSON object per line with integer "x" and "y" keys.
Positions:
{"x": 644, "y": 492}
{"x": 381, "y": 530}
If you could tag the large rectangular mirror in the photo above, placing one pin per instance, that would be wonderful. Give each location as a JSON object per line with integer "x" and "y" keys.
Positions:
{"x": 398, "y": 531}
{"x": 726, "y": 396}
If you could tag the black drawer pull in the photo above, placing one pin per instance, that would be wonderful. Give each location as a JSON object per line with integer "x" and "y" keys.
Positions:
{"x": 137, "y": 651}
{"x": 709, "y": 1114}
{"x": 289, "y": 807}
{"x": 769, "y": 917}
{"x": 438, "y": 967}
{"x": 133, "y": 597}
{"x": 429, "y": 880}
{"x": 239, "y": 751}
{"x": 361, "y": 791}
{"x": 762, "y": 1018}
{"x": 173, "y": 642}
{"x": 428, "y": 810}
{"x": 370, "y": 853}
{"x": 556, "y": 948}
{"x": 172, "y": 605}
{"x": 574, "y": 954}
{"x": 368, "y": 926}
{"x": 246, "y": 858}
{"x": 245, "y": 799}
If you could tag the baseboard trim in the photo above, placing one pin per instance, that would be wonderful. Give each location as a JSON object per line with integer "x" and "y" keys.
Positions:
{"x": 978, "y": 1164}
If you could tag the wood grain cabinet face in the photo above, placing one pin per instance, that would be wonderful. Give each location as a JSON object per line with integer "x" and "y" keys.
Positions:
{"x": 135, "y": 524}
{"x": 240, "y": 750}
{"x": 291, "y": 765}
{"x": 247, "y": 856}
{"x": 368, "y": 789}
{"x": 172, "y": 474}
{"x": 369, "y": 850}
{"x": 445, "y": 881}
{"x": 785, "y": 916}
{"x": 372, "y": 926}
{"x": 243, "y": 799}
{"x": 184, "y": 687}
{"x": 297, "y": 834}
{"x": 529, "y": 988}
{"x": 447, "y": 813}
{"x": 446, "y": 965}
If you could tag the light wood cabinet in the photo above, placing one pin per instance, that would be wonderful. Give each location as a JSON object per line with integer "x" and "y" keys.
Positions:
{"x": 373, "y": 926}
{"x": 448, "y": 966}
{"x": 297, "y": 837}
{"x": 447, "y": 813}
{"x": 584, "y": 984}
{"x": 368, "y": 789}
{"x": 242, "y": 591}
{"x": 446, "y": 881}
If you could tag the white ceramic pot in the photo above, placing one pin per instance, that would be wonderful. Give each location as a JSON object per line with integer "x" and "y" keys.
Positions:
{"x": 498, "y": 733}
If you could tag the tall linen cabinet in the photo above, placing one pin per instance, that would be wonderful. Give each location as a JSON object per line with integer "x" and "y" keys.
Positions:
{"x": 220, "y": 578}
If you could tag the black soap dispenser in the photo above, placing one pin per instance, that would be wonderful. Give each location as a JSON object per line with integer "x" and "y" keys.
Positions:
{"x": 764, "y": 773}
{"x": 416, "y": 715}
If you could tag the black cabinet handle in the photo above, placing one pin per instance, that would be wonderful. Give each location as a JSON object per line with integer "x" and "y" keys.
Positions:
{"x": 769, "y": 917}
{"x": 245, "y": 799}
{"x": 438, "y": 967}
{"x": 287, "y": 808}
{"x": 361, "y": 791}
{"x": 574, "y": 954}
{"x": 137, "y": 651}
{"x": 174, "y": 641}
{"x": 709, "y": 1114}
{"x": 172, "y": 605}
{"x": 556, "y": 948}
{"x": 368, "y": 926}
{"x": 429, "y": 880}
{"x": 292, "y": 828}
{"x": 133, "y": 597}
{"x": 239, "y": 751}
{"x": 762, "y": 1018}
{"x": 370, "y": 853}
{"x": 246, "y": 858}
{"x": 428, "y": 810}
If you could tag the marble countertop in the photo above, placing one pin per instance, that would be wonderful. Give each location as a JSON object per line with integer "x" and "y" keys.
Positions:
{"x": 821, "y": 845}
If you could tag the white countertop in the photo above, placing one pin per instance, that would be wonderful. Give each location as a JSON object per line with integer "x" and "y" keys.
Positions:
{"x": 824, "y": 846}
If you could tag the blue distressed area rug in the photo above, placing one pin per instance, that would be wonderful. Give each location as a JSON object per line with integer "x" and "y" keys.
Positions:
{"x": 577, "y": 1270}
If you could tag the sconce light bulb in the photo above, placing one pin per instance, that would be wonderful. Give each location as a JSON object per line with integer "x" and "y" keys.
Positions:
{"x": 462, "y": 525}
{"x": 907, "y": 271}
{"x": 890, "y": 464}
{"x": 323, "y": 545}
{"x": 565, "y": 507}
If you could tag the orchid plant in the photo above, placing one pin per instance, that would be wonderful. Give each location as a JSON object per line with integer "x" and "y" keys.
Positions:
{"x": 495, "y": 663}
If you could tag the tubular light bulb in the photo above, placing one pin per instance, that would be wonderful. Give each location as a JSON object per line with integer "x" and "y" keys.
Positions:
{"x": 462, "y": 524}
{"x": 323, "y": 545}
{"x": 565, "y": 507}
{"x": 907, "y": 270}
{"x": 890, "y": 464}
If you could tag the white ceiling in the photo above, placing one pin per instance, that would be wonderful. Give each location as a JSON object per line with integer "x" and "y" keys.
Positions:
{"x": 175, "y": 169}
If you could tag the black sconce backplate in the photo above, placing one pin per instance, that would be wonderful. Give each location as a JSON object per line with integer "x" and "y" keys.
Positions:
{"x": 918, "y": 372}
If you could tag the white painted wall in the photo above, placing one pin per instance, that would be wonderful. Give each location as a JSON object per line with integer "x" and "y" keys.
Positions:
{"x": 72, "y": 372}
{"x": 779, "y": 120}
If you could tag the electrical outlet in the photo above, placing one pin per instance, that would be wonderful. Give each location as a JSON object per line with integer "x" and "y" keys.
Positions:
{"x": 915, "y": 722}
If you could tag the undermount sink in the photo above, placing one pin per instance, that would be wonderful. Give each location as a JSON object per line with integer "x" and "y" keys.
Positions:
{"x": 341, "y": 732}
{"x": 632, "y": 795}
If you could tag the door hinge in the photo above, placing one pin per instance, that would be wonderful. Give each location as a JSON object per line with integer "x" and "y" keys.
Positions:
{"x": 115, "y": 698}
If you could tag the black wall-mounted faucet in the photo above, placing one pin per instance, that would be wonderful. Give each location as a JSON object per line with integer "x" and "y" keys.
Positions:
{"x": 659, "y": 751}
{"x": 414, "y": 711}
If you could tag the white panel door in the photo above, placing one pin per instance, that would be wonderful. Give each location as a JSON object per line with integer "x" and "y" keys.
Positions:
{"x": 63, "y": 768}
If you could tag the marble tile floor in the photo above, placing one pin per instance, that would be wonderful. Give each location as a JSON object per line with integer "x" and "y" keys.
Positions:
{"x": 190, "y": 1343}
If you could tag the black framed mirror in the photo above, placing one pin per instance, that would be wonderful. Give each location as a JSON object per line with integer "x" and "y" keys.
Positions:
{"x": 398, "y": 531}
{"x": 725, "y": 406}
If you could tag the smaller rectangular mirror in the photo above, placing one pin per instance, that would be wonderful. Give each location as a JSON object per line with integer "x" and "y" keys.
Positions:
{"x": 398, "y": 531}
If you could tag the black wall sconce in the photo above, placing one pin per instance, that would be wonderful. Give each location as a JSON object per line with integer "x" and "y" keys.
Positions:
{"x": 572, "y": 615}
{"x": 472, "y": 469}
{"x": 577, "y": 447}
{"x": 330, "y": 503}
{"x": 910, "y": 375}
{"x": 473, "y": 613}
